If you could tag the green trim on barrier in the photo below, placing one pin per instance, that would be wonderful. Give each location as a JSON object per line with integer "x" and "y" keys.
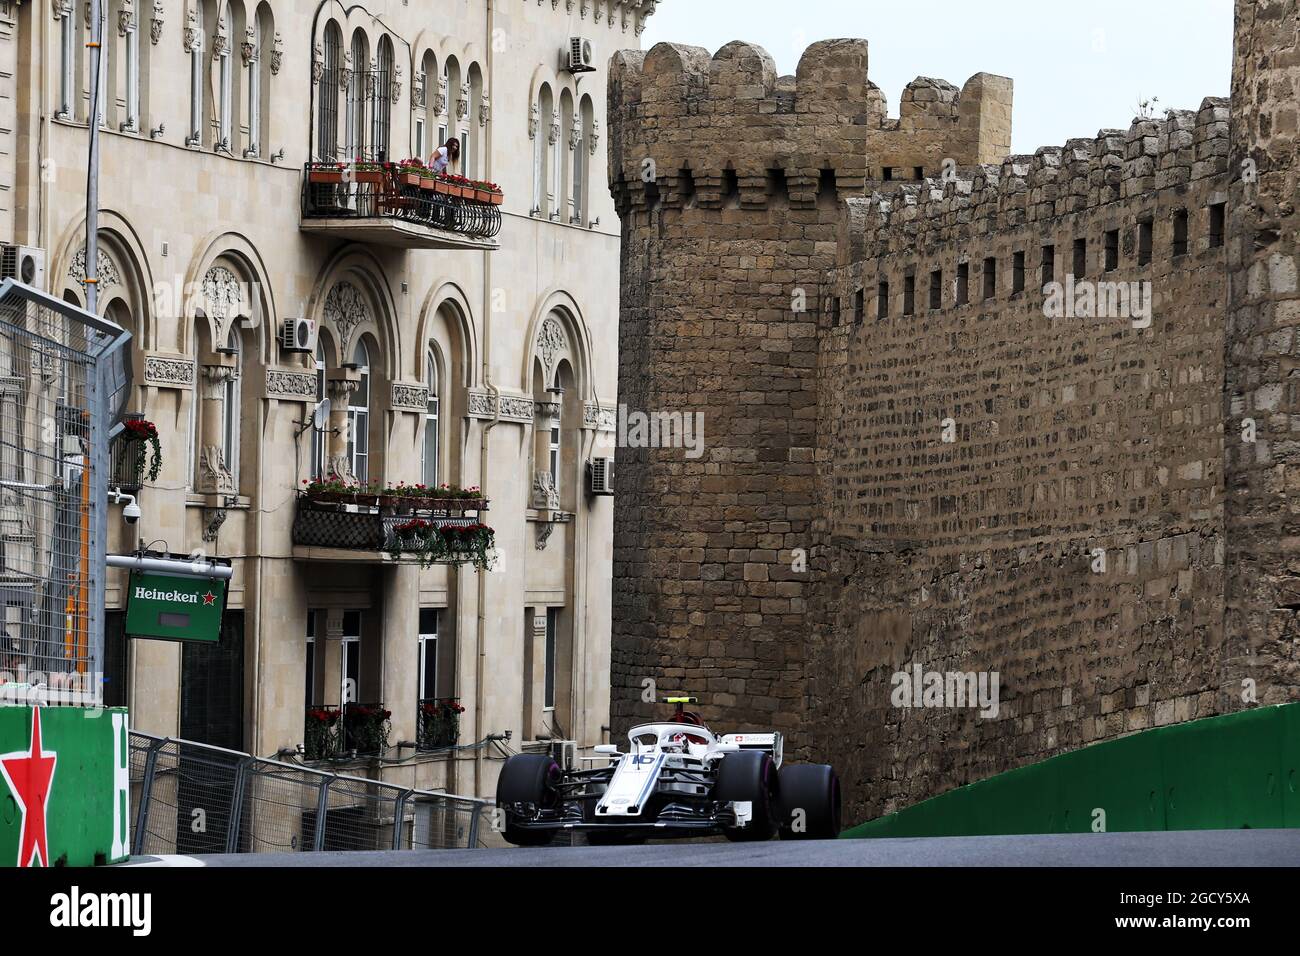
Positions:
{"x": 1231, "y": 772}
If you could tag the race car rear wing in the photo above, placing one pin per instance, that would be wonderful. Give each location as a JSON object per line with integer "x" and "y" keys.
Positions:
{"x": 773, "y": 743}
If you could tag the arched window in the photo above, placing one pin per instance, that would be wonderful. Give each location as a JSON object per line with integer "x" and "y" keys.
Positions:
{"x": 131, "y": 43}
{"x": 327, "y": 129}
{"x": 225, "y": 87}
{"x": 356, "y": 106}
{"x": 104, "y": 95}
{"x": 542, "y": 191}
{"x": 425, "y": 115}
{"x": 381, "y": 99}
{"x": 67, "y": 59}
{"x": 196, "y": 76}
{"x": 255, "y": 89}
{"x": 471, "y": 151}
{"x": 359, "y": 416}
{"x": 581, "y": 160}
{"x": 432, "y": 433}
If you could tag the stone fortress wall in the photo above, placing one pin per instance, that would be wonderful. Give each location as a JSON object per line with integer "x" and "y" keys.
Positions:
{"x": 976, "y": 485}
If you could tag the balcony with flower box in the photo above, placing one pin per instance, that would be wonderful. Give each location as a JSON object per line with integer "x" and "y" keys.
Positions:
{"x": 400, "y": 204}
{"x": 336, "y": 520}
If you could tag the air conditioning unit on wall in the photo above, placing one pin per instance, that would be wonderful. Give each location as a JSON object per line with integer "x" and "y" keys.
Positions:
{"x": 580, "y": 57}
{"x": 298, "y": 335}
{"x": 24, "y": 263}
{"x": 600, "y": 473}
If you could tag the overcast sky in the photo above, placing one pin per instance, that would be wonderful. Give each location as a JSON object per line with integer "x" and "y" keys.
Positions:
{"x": 1078, "y": 65}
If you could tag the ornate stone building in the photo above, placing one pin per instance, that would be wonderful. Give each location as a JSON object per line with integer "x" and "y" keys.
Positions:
{"x": 914, "y": 457}
{"x": 477, "y": 352}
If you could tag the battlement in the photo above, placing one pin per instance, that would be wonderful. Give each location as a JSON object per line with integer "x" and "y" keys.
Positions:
{"x": 690, "y": 129}
{"x": 1151, "y": 155}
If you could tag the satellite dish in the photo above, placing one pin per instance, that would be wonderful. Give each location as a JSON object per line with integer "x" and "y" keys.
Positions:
{"x": 321, "y": 417}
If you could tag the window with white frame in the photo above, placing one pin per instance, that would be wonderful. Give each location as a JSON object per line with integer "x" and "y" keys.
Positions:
{"x": 196, "y": 81}
{"x": 554, "y": 450}
{"x": 230, "y": 408}
{"x": 548, "y": 688}
{"x": 225, "y": 91}
{"x": 67, "y": 60}
{"x": 255, "y": 91}
{"x": 429, "y": 465}
{"x": 380, "y": 101}
{"x": 319, "y": 435}
{"x": 359, "y": 416}
{"x": 350, "y": 659}
{"x": 132, "y": 43}
{"x": 428, "y": 653}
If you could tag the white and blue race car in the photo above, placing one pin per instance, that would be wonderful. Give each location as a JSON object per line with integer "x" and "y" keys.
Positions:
{"x": 677, "y": 779}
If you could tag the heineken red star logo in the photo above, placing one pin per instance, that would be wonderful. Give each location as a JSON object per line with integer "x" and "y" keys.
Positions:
{"x": 209, "y": 598}
{"x": 29, "y": 776}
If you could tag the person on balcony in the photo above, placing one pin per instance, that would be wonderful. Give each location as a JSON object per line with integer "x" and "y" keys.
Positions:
{"x": 446, "y": 156}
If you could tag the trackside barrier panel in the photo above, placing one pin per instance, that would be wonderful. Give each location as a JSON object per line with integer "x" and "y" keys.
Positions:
{"x": 1234, "y": 771}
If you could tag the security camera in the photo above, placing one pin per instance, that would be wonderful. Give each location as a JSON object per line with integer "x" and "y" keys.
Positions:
{"x": 131, "y": 511}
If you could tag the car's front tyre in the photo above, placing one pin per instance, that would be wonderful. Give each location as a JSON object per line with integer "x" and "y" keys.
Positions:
{"x": 749, "y": 776}
{"x": 531, "y": 779}
{"x": 810, "y": 802}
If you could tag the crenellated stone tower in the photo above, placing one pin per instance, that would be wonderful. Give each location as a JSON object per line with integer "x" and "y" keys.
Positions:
{"x": 729, "y": 181}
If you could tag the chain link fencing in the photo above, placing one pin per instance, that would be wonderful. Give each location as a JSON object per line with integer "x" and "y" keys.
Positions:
{"x": 193, "y": 798}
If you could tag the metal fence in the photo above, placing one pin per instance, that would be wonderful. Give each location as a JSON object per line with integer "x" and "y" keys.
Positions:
{"x": 193, "y": 798}
{"x": 64, "y": 377}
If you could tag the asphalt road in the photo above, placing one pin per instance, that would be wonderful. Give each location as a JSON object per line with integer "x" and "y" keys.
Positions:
{"x": 1196, "y": 848}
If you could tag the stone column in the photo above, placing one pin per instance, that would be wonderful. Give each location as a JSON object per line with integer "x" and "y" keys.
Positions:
{"x": 214, "y": 475}
{"x": 341, "y": 385}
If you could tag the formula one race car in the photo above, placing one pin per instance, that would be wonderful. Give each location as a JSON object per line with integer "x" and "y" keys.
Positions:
{"x": 677, "y": 779}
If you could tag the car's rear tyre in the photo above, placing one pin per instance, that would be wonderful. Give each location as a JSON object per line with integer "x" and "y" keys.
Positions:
{"x": 532, "y": 779}
{"x": 749, "y": 775}
{"x": 810, "y": 802}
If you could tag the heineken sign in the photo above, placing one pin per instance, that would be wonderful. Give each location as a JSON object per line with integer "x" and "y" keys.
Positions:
{"x": 64, "y": 786}
{"x": 174, "y": 607}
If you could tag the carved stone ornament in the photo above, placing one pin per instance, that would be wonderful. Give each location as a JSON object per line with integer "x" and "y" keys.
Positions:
{"x": 575, "y": 132}
{"x": 551, "y": 340}
{"x": 546, "y": 497}
{"x": 406, "y": 397}
{"x": 484, "y": 109}
{"x": 248, "y": 49}
{"x": 440, "y": 98}
{"x": 417, "y": 90}
{"x": 345, "y": 309}
{"x": 193, "y": 33}
{"x": 595, "y": 136}
{"x": 156, "y": 22}
{"x": 395, "y": 84}
{"x": 165, "y": 371}
{"x": 462, "y": 104}
{"x": 534, "y": 121}
{"x": 290, "y": 385}
{"x": 213, "y": 519}
{"x": 126, "y": 18}
{"x": 555, "y": 127}
{"x": 277, "y": 53}
{"x": 317, "y": 64}
{"x": 223, "y": 296}
{"x": 105, "y": 269}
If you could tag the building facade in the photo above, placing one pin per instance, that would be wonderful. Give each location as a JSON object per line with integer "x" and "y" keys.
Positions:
{"x": 967, "y": 413}
{"x": 450, "y": 353}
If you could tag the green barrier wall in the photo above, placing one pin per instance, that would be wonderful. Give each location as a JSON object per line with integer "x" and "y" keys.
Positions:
{"x": 64, "y": 786}
{"x": 1235, "y": 771}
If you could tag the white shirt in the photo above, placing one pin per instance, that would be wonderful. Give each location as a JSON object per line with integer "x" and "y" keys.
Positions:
{"x": 440, "y": 160}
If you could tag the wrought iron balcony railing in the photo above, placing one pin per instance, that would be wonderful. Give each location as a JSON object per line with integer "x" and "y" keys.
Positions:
{"x": 438, "y": 723}
{"x": 382, "y": 203}
{"x": 368, "y": 530}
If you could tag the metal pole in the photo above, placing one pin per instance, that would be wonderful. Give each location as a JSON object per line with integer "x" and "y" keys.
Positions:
{"x": 92, "y": 170}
